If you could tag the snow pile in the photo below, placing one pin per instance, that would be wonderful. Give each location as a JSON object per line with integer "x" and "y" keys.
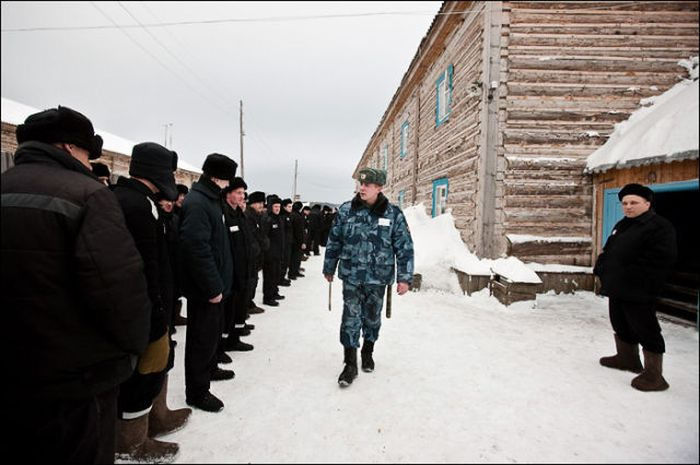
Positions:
{"x": 439, "y": 248}
{"x": 665, "y": 128}
{"x": 15, "y": 113}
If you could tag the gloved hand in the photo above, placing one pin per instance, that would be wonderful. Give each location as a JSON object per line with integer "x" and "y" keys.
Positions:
{"x": 155, "y": 357}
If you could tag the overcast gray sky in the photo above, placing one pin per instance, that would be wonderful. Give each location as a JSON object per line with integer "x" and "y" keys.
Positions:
{"x": 313, "y": 89}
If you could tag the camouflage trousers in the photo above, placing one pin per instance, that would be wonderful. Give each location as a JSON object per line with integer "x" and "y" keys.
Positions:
{"x": 362, "y": 310}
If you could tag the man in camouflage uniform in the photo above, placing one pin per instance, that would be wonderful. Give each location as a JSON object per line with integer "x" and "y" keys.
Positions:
{"x": 367, "y": 237}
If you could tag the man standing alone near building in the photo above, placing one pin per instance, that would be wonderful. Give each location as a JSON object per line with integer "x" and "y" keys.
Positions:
{"x": 636, "y": 260}
{"x": 367, "y": 237}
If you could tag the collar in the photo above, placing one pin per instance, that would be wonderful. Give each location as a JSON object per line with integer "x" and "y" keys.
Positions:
{"x": 40, "y": 152}
{"x": 207, "y": 187}
{"x": 378, "y": 209}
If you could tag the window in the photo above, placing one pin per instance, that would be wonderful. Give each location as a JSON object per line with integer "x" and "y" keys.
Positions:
{"x": 439, "y": 196}
{"x": 443, "y": 96}
{"x": 402, "y": 198}
{"x": 404, "y": 140}
{"x": 385, "y": 157}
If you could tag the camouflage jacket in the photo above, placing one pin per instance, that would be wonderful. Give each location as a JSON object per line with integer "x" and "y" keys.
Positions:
{"x": 365, "y": 242}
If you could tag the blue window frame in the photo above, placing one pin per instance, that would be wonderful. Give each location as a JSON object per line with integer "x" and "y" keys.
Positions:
{"x": 443, "y": 92}
{"x": 404, "y": 140}
{"x": 402, "y": 198}
{"x": 612, "y": 208}
{"x": 440, "y": 189}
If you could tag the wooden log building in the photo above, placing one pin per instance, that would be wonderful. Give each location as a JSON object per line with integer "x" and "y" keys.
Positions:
{"x": 504, "y": 101}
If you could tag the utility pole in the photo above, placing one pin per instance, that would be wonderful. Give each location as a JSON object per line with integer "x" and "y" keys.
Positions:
{"x": 165, "y": 135}
{"x": 242, "y": 134}
{"x": 170, "y": 141}
{"x": 294, "y": 190}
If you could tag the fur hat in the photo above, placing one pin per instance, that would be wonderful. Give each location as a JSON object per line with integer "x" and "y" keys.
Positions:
{"x": 237, "y": 183}
{"x": 296, "y": 206}
{"x": 157, "y": 164}
{"x": 286, "y": 202}
{"x": 100, "y": 169}
{"x": 372, "y": 176}
{"x": 182, "y": 189}
{"x": 273, "y": 199}
{"x": 61, "y": 124}
{"x": 219, "y": 166}
{"x": 636, "y": 189}
{"x": 256, "y": 197}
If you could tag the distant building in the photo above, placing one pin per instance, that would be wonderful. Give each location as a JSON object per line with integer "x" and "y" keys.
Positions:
{"x": 116, "y": 152}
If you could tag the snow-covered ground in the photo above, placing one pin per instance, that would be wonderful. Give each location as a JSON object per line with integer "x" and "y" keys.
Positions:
{"x": 458, "y": 379}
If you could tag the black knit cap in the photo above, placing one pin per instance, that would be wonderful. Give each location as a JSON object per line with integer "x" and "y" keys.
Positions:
{"x": 100, "y": 169}
{"x": 636, "y": 189}
{"x": 157, "y": 164}
{"x": 219, "y": 166}
{"x": 182, "y": 189}
{"x": 61, "y": 124}
{"x": 256, "y": 197}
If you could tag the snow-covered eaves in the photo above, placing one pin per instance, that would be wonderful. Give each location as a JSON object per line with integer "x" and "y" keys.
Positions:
{"x": 664, "y": 129}
{"x": 524, "y": 238}
{"x": 15, "y": 113}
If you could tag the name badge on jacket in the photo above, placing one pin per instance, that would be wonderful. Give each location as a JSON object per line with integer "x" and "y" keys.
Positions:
{"x": 384, "y": 222}
{"x": 275, "y": 226}
{"x": 233, "y": 228}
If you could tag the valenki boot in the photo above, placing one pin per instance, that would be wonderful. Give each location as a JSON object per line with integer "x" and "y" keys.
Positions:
{"x": 627, "y": 357}
{"x": 134, "y": 445}
{"x": 163, "y": 420}
{"x": 366, "y": 354}
{"x": 651, "y": 378}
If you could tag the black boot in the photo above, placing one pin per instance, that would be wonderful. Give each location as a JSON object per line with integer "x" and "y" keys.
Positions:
{"x": 350, "y": 371}
{"x": 366, "y": 353}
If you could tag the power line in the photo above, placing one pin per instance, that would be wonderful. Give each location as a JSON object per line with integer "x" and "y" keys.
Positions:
{"x": 167, "y": 68}
{"x": 272, "y": 19}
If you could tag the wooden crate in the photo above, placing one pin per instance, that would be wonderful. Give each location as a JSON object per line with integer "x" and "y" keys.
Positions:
{"x": 470, "y": 282}
{"x": 508, "y": 292}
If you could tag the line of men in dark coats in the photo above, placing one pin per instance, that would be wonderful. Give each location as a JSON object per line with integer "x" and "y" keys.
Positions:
{"x": 93, "y": 274}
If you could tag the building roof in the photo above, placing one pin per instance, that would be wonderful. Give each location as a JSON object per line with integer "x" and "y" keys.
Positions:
{"x": 15, "y": 113}
{"x": 664, "y": 129}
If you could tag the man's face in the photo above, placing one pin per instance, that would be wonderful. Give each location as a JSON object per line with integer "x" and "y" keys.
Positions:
{"x": 238, "y": 196}
{"x": 222, "y": 183}
{"x": 634, "y": 205}
{"x": 166, "y": 205}
{"x": 259, "y": 207}
{"x": 369, "y": 191}
{"x": 307, "y": 212}
{"x": 288, "y": 208}
{"x": 180, "y": 199}
{"x": 276, "y": 208}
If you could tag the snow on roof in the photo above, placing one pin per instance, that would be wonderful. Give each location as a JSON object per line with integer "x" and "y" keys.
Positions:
{"x": 15, "y": 113}
{"x": 664, "y": 129}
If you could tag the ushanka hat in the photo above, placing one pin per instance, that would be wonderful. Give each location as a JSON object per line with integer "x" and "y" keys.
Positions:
{"x": 182, "y": 189}
{"x": 219, "y": 166}
{"x": 157, "y": 164}
{"x": 286, "y": 202}
{"x": 100, "y": 169}
{"x": 61, "y": 124}
{"x": 636, "y": 189}
{"x": 372, "y": 176}
{"x": 256, "y": 197}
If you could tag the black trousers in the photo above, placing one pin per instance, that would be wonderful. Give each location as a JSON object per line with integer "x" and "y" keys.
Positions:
{"x": 271, "y": 275}
{"x": 204, "y": 327}
{"x": 137, "y": 393}
{"x": 252, "y": 288}
{"x": 62, "y": 431}
{"x": 295, "y": 260}
{"x": 636, "y": 323}
{"x": 235, "y": 310}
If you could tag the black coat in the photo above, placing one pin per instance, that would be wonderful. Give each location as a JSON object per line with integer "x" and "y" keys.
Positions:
{"x": 288, "y": 230}
{"x": 241, "y": 247}
{"x": 206, "y": 265}
{"x": 273, "y": 228}
{"x": 74, "y": 296}
{"x": 146, "y": 226}
{"x": 298, "y": 227}
{"x": 260, "y": 240}
{"x": 637, "y": 258}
